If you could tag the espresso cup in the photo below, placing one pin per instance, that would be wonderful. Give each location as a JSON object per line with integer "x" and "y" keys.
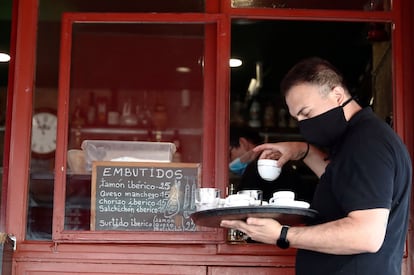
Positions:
{"x": 268, "y": 169}
{"x": 207, "y": 198}
{"x": 238, "y": 200}
{"x": 255, "y": 195}
{"x": 282, "y": 197}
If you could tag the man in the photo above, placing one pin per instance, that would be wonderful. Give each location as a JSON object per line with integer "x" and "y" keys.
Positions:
{"x": 244, "y": 163}
{"x": 365, "y": 180}
{"x": 242, "y": 142}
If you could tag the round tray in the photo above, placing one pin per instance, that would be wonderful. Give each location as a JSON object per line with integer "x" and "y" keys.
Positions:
{"x": 284, "y": 215}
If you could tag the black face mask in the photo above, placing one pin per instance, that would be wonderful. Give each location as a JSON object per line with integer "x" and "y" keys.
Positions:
{"x": 325, "y": 129}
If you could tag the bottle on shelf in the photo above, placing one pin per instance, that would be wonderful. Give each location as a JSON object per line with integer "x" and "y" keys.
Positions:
{"x": 269, "y": 116}
{"x": 237, "y": 110}
{"x": 144, "y": 113}
{"x": 177, "y": 142}
{"x": 281, "y": 118}
{"x": 158, "y": 135}
{"x": 160, "y": 116}
{"x": 149, "y": 135}
{"x": 102, "y": 110}
{"x": 254, "y": 114}
{"x": 78, "y": 116}
{"x": 128, "y": 118}
{"x": 113, "y": 112}
{"x": 91, "y": 111}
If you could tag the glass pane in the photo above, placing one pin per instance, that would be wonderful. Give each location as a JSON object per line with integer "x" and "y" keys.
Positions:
{"x": 45, "y": 97}
{"x": 51, "y": 10}
{"x": 3, "y": 100}
{"x": 362, "y": 51}
{"x": 380, "y": 5}
{"x": 5, "y": 29}
{"x": 131, "y": 82}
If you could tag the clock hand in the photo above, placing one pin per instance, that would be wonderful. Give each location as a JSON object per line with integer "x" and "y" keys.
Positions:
{"x": 37, "y": 121}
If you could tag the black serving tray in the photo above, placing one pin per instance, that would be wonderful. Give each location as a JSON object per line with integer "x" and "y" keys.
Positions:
{"x": 284, "y": 215}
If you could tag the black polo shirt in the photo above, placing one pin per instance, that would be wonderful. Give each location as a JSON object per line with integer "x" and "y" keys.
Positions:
{"x": 370, "y": 168}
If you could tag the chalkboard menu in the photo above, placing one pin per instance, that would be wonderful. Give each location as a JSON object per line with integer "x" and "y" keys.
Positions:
{"x": 143, "y": 196}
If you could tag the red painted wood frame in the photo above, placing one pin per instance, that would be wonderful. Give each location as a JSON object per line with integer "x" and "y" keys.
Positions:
{"x": 21, "y": 89}
{"x": 214, "y": 99}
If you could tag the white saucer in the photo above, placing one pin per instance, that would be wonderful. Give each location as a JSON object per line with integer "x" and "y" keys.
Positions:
{"x": 300, "y": 204}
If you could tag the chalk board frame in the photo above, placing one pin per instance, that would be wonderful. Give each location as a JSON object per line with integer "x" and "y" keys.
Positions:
{"x": 185, "y": 168}
{"x": 203, "y": 235}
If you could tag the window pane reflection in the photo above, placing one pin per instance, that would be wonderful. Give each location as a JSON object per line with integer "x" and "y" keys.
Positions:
{"x": 40, "y": 209}
{"x": 379, "y": 5}
{"x": 131, "y": 82}
{"x": 361, "y": 51}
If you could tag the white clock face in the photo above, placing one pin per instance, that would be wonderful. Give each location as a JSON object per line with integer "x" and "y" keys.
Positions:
{"x": 44, "y": 126}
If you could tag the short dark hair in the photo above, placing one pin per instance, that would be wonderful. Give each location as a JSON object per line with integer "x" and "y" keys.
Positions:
{"x": 237, "y": 132}
{"x": 313, "y": 70}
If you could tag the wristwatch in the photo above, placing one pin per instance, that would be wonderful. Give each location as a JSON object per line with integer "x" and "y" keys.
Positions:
{"x": 282, "y": 242}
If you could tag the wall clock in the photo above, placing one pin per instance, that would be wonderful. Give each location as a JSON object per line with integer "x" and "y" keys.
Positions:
{"x": 44, "y": 127}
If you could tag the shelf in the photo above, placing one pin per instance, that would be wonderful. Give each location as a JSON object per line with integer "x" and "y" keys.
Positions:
{"x": 51, "y": 176}
{"x": 271, "y": 136}
{"x": 42, "y": 176}
{"x": 133, "y": 131}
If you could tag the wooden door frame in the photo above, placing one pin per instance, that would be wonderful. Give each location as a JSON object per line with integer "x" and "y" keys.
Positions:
{"x": 18, "y": 124}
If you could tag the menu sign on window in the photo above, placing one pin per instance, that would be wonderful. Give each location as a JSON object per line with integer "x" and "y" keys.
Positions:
{"x": 143, "y": 196}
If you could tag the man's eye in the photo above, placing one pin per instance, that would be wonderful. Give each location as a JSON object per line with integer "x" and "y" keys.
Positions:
{"x": 307, "y": 114}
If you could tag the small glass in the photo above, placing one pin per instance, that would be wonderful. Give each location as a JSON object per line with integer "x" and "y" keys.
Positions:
{"x": 207, "y": 198}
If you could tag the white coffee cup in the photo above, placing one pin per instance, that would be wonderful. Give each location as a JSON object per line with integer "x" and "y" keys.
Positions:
{"x": 207, "y": 198}
{"x": 268, "y": 169}
{"x": 255, "y": 195}
{"x": 282, "y": 197}
{"x": 239, "y": 200}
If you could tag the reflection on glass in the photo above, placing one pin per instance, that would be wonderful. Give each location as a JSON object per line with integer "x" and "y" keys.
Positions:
{"x": 383, "y": 5}
{"x": 126, "y": 84}
{"x": 363, "y": 57}
{"x": 279, "y": 44}
{"x": 94, "y": 103}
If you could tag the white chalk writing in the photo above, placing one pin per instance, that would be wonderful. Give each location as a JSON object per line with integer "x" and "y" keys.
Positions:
{"x": 145, "y": 198}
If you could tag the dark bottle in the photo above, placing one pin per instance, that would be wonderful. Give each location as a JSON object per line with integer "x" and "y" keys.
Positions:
{"x": 78, "y": 116}
{"x": 102, "y": 110}
{"x": 150, "y": 136}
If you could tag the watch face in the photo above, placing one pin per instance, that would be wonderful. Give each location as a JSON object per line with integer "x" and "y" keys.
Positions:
{"x": 44, "y": 126}
{"x": 282, "y": 243}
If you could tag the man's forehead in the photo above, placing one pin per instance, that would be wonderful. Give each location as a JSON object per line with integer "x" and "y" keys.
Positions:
{"x": 302, "y": 96}
{"x": 301, "y": 93}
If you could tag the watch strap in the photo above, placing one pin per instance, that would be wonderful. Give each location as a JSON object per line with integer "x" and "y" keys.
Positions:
{"x": 282, "y": 242}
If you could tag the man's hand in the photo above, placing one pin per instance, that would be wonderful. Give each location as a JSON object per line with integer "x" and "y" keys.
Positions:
{"x": 315, "y": 159}
{"x": 258, "y": 229}
{"x": 282, "y": 151}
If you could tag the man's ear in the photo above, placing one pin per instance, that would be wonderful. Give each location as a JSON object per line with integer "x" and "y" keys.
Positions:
{"x": 339, "y": 93}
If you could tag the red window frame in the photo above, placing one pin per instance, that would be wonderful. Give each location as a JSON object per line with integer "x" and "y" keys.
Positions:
{"x": 214, "y": 99}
